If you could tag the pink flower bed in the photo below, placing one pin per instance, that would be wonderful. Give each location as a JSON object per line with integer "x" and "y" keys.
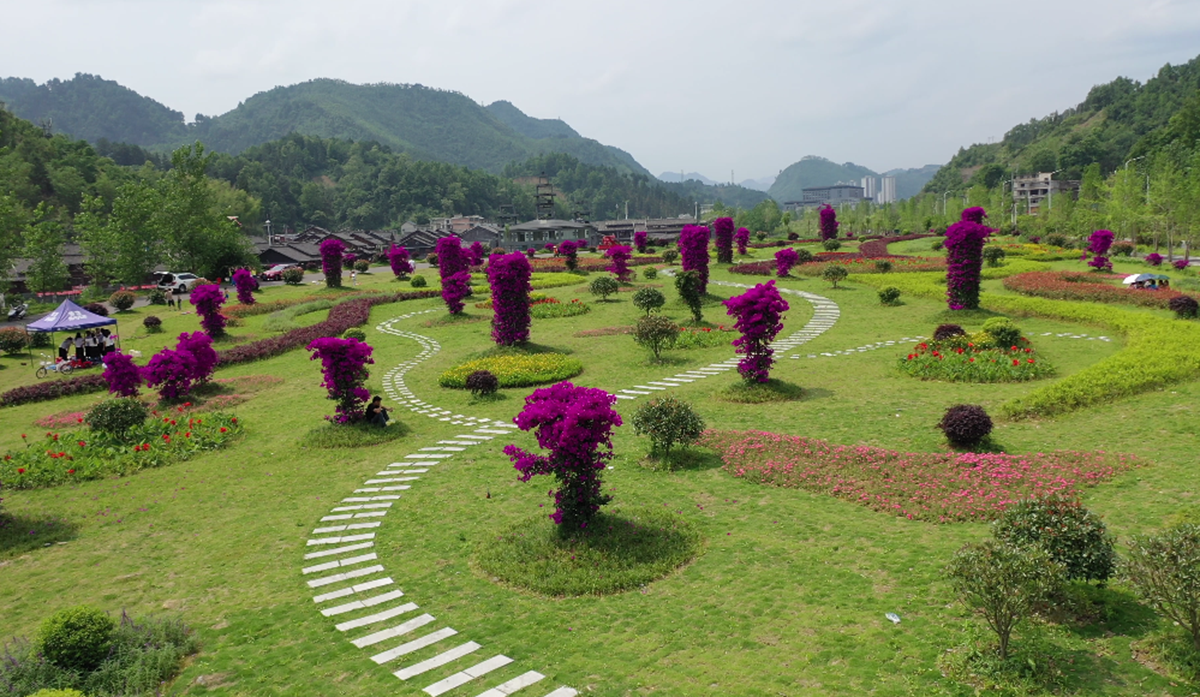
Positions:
{"x": 935, "y": 487}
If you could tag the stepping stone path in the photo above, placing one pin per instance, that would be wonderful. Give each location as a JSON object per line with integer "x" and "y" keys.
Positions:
{"x": 351, "y": 585}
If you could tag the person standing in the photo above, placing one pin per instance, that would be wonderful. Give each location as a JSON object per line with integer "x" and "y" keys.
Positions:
{"x": 64, "y": 349}
{"x": 78, "y": 341}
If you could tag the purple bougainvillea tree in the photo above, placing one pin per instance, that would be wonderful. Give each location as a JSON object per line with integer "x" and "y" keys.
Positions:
{"x": 829, "y": 222}
{"x": 208, "y": 300}
{"x": 456, "y": 279}
{"x": 619, "y": 256}
{"x": 693, "y": 252}
{"x": 331, "y": 261}
{"x": 475, "y": 253}
{"x": 199, "y": 345}
{"x": 123, "y": 377}
{"x": 344, "y": 367}
{"x": 723, "y": 232}
{"x": 964, "y": 259}
{"x": 758, "y": 312}
{"x": 399, "y": 261}
{"x": 244, "y": 281}
{"x": 575, "y": 425}
{"x": 1099, "y": 243}
{"x": 742, "y": 238}
{"x": 530, "y": 252}
{"x": 170, "y": 372}
{"x": 569, "y": 251}
{"x": 1154, "y": 259}
{"x": 639, "y": 241}
{"x": 785, "y": 259}
{"x": 508, "y": 275}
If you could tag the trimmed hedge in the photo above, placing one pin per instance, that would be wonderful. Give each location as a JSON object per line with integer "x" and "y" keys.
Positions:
{"x": 516, "y": 370}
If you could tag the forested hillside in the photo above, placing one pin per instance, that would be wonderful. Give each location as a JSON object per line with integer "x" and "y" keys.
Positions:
{"x": 1118, "y": 121}
{"x": 813, "y": 171}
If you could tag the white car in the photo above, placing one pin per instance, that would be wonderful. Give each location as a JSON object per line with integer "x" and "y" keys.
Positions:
{"x": 177, "y": 282}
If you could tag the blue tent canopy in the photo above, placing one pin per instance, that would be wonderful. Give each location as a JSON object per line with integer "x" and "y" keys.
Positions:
{"x": 69, "y": 317}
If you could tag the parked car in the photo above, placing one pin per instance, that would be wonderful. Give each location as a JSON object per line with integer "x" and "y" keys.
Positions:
{"x": 275, "y": 273}
{"x": 176, "y": 282}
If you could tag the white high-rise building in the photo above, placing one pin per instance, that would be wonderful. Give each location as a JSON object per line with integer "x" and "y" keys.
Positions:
{"x": 887, "y": 190}
{"x": 868, "y": 185}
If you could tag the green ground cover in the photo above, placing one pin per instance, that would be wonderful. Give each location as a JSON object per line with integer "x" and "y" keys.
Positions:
{"x": 787, "y": 595}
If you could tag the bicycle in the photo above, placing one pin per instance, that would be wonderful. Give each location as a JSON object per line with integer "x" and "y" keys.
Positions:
{"x": 48, "y": 366}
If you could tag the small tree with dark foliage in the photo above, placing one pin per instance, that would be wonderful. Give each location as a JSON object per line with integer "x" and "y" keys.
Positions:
{"x": 965, "y": 425}
{"x": 482, "y": 383}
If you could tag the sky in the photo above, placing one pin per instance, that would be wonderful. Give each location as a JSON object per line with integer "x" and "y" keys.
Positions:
{"x": 728, "y": 89}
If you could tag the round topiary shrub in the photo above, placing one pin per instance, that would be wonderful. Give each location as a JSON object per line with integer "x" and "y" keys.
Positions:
{"x": 650, "y": 273}
{"x": 152, "y": 324}
{"x": 670, "y": 255}
{"x": 1071, "y": 534}
{"x": 667, "y": 421}
{"x": 1184, "y": 306}
{"x": 834, "y": 274}
{"x": 432, "y": 259}
{"x": 831, "y": 245}
{"x": 993, "y": 255}
{"x": 883, "y": 266}
{"x": 76, "y": 638}
{"x": 156, "y": 297}
{"x": 946, "y": 331}
{"x": 803, "y": 256}
{"x": 361, "y": 265}
{"x": 122, "y": 300}
{"x": 1056, "y": 240}
{"x": 649, "y": 299}
{"x": 937, "y": 245}
{"x": 793, "y": 236}
{"x": 965, "y": 425}
{"x": 482, "y": 383}
{"x": 418, "y": 282}
{"x": 1003, "y": 331}
{"x": 13, "y": 340}
{"x": 115, "y": 417}
{"x": 604, "y": 286}
{"x": 655, "y": 332}
{"x": 96, "y": 308}
{"x": 293, "y": 275}
{"x": 354, "y": 333}
{"x": 889, "y": 295}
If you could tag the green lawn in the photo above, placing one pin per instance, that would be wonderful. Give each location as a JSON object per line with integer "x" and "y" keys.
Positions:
{"x": 787, "y": 596}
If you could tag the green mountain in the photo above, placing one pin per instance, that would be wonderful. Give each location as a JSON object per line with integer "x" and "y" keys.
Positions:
{"x": 909, "y": 182}
{"x": 814, "y": 171}
{"x": 1117, "y": 121}
{"x": 426, "y": 123}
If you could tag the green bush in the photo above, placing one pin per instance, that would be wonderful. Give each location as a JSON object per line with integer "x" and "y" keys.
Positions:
{"x": 670, "y": 255}
{"x": 1056, "y": 240}
{"x": 1061, "y": 527}
{"x": 156, "y": 297}
{"x": 889, "y": 295}
{"x": 667, "y": 421}
{"x": 831, "y": 245}
{"x": 293, "y": 275}
{"x": 936, "y": 245}
{"x": 432, "y": 259}
{"x": 993, "y": 255}
{"x": 39, "y": 340}
{"x": 1123, "y": 249}
{"x": 418, "y": 282}
{"x": 122, "y": 300}
{"x": 553, "y": 310}
{"x": 361, "y": 265}
{"x": 883, "y": 265}
{"x": 152, "y": 324}
{"x": 649, "y": 299}
{"x": 687, "y": 283}
{"x": 604, "y": 286}
{"x": 1003, "y": 331}
{"x": 649, "y": 273}
{"x": 834, "y": 274}
{"x": 656, "y": 332}
{"x": 514, "y": 369}
{"x": 13, "y": 340}
{"x": 354, "y": 333}
{"x": 77, "y": 638}
{"x": 114, "y": 417}
{"x": 1165, "y": 571}
{"x": 803, "y": 256}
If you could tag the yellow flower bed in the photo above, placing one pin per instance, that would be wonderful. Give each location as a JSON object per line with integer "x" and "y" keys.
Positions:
{"x": 516, "y": 370}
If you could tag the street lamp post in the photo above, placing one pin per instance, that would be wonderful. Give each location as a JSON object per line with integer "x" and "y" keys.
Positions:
{"x": 268, "y": 227}
{"x": 1050, "y": 189}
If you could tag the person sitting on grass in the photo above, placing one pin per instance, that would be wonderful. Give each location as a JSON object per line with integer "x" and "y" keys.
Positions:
{"x": 377, "y": 413}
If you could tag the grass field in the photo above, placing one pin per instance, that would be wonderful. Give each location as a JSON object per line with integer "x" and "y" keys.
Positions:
{"x": 787, "y": 596}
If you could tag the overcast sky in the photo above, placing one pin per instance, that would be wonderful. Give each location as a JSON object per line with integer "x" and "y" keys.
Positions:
{"x": 703, "y": 85}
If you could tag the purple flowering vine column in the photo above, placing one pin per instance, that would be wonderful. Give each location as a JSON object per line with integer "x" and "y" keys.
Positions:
{"x": 123, "y": 377}
{"x": 575, "y": 425}
{"x": 1099, "y": 243}
{"x": 829, "y": 222}
{"x": 171, "y": 373}
{"x": 742, "y": 238}
{"x": 344, "y": 367}
{"x": 508, "y": 275}
{"x": 569, "y": 251}
{"x": 199, "y": 345}
{"x": 452, "y": 266}
{"x": 693, "y": 252}
{"x": 964, "y": 259}
{"x": 399, "y": 261}
{"x": 785, "y": 259}
{"x": 758, "y": 312}
{"x": 475, "y": 253}
{"x": 208, "y": 300}
{"x": 639, "y": 241}
{"x": 619, "y": 256}
{"x": 331, "y": 261}
{"x": 723, "y": 232}
{"x": 243, "y": 280}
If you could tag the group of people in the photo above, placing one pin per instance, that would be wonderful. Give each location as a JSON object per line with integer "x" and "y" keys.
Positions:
{"x": 91, "y": 346}
{"x": 1153, "y": 284}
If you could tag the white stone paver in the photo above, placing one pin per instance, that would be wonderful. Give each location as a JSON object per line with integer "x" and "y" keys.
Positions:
{"x": 507, "y": 688}
{"x": 408, "y": 647}
{"x": 393, "y": 632}
{"x": 439, "y": 660}
{"x": 465, "y": 676}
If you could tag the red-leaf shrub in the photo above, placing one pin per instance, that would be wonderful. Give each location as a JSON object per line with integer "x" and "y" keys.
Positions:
{"x": 398, "y": 259}
{"x": 639, "y": 241}
{"x": 331, "y": 261}
{"x": 53, "y": 389}
{"x": 508, "y": 275}
{"x": 829, "y": 222}
{"x": 964, "y": 259}
{"x": 456, "y": 277}
{"x": 965, "y": 425}
{"x": 619, "y": 256}
{"x": 946, "y": 331}
{"x": 1185, "y": 307}
{"x": 244, "y": 281}
{"x": 723, "y": 233}
{"x": 344, "y": 367}
{"x": 122, "y": 376}
{"x": 208, "y": 300}
{"x": 757, "y": 311}
{"x": 742, "y": 238}
{"x": 1072, "y": 285}
{"x": 693, "y": 252}
{"x": 785, "y": 259}
{"x": 575, "y": 424}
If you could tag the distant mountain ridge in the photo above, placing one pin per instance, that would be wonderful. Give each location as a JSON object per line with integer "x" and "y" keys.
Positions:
{"x": 813, "y": 170}
{"x": 424, "y": 122}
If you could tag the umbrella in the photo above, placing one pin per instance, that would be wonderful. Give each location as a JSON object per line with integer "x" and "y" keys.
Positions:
{"x": 1137, "y": 277}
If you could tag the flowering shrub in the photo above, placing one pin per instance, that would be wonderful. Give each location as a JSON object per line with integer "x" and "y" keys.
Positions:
{"x": 331, "y": 261}
{"x": 208, "y": 300}
{"x": 619, "y": 255}
{"x": 829, "y": 222}
{"x": 344, "y": 367}
{"x": 244, "y": 281}
{"x": 171, "y": 372}
{"x": 199, "y": 345}
{"x": 531, "y": 252}
{"x": 293, "y": 275}
{"x": 569, "y": 251}
{"x": 575, "y": 425}
{"x": 475, "y": 253}
{"x": 398, "y": 259}
{"x": 516, "y": 370}
{"x": 508, "y": 275}
{"x": 785, "y": 259}
{"x": 452, "y": 266}
{"x": 693, "y": 252}
{"x": 723, "y": 233}
{"x": 742, "y": 238}
{"x": 964, "y": 259}
{"x": 1099, "y": 242}
{"x": 758, "y": 313}
{"x": 1154, "y": 259}
{"x": 639, "y": 241}
{"x": 935, "y": 487}
{"x": 1180, "y": 264}
{"x": 123, "y": 377}
{"x": 968, "y": 361}
{"x": 965, "y": 425}
{"x": 1068, "y": 285}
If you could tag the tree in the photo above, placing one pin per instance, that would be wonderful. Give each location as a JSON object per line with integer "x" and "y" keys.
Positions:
{"x": 509, "y": 276}
{"x": 44, "y": 240}
{"x": 655, "y": 332}
{"x": 648, "y": 299}
{"x": 689, "y": 285}
{"x": 667, "y": 421}
{"x": 603, "y": 286}
{"x": 1165, "y": 570}
{"x": 758, "y": 312}
{"x": 197, "y": 236}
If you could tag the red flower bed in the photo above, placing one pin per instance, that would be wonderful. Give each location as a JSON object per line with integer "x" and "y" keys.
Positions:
{"x": 1082, "y": 285}
{"x": 878, "y": 248}
{"x": 935, "y": 487}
